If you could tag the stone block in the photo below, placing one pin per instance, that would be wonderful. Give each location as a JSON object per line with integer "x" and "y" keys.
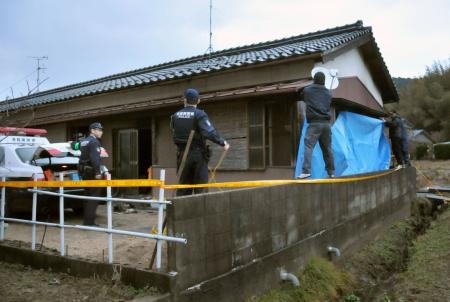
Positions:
{"x": 192, "y": 252}
{"x": 218, "y": 264}
{"x": 191, "y": 229}
{"x": 217, "y": 203}
{"x": 218, "y": 223}
{"x": 260, "y": 197}
{"x": 218, "y": 244}
{"x": 261, "y": 211}
{"x": 278, "y": 207}
{"x": 262, "y": 230}
{"x": 240, "y": 199}
{"x": 278, "y": 225}
{"x": 263, "y": 248}
{"x": 293, "y": 235}
{"x": 191, "y": 274}
{"x": 188, "y": 207}
{"x": 278, "y": 242}
{"x": 242, "y": 256}
{"x": 241, "y": 218}
{"x": 242, "y": 237}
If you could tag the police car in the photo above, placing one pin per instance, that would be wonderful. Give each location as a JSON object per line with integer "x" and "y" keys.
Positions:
{"x": 24, "y": 154}
{"x": 17, "y": 148}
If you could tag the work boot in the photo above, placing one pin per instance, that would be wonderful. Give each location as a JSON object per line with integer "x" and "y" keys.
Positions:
{"x": 304, "y": 175}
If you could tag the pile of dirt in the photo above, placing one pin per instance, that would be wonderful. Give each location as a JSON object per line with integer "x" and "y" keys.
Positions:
{"x": 21, "y": 283}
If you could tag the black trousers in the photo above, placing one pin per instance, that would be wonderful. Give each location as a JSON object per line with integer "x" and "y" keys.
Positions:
{"x": 90, "y": 206}
{"x": 318, "y": 131}
{"x": 397, "y": 149}
{"x": 195, "y": 171}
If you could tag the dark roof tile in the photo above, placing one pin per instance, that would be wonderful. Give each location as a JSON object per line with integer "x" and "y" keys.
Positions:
{"x": 316, "y": 42}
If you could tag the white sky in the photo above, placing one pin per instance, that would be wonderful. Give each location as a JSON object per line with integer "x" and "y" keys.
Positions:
{"x": 87, "y": 39}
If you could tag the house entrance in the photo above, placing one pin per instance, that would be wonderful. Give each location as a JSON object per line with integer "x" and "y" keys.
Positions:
{"x": 132, "y": 156}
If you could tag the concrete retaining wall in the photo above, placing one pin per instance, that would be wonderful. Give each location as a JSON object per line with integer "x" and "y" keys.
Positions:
{"x": 239, "y": 240}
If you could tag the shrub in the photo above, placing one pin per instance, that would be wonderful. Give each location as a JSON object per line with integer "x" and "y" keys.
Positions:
{"x": 421, "y": 151}
{"x": 442, "y": 151}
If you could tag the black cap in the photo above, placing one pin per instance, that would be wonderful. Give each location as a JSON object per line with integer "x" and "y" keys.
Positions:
{"x": 95, "y": 125}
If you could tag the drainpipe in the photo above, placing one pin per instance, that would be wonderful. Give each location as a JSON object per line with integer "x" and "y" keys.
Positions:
{"x": 285, "y": 276}
{"x": 335, "y": 250}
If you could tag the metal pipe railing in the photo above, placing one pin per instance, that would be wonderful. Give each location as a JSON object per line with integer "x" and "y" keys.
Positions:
{"x": 2, "y": 212}
{"x": 160, "y": 204}
{"x": 45, "y": 192}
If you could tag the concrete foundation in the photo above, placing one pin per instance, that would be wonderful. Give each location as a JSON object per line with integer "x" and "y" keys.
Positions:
{"x": 239, "y": 240}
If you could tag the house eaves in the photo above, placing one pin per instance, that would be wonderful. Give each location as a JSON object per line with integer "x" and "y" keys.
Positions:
{"x": 320, "y": 43}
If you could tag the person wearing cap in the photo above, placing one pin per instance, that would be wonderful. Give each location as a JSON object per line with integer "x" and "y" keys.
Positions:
{"x": 318, "y": 102}
{"x": 189, "y": 118}
{"x": 89, "y": 168}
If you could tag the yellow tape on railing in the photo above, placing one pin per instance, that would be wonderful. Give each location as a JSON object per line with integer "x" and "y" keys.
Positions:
{"x": 84, "y": 183}
{"x": 263, "y": 183}
{"x": 159, "y": 183}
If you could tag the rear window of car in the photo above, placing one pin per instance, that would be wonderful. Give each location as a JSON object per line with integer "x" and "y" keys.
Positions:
{"x": 56, "y": 161}
{"x": 26, "y": 154}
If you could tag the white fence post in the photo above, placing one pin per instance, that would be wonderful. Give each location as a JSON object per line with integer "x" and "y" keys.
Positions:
{"x": 33, "y": 217}
{"x": 160, "y": 220}
{"x": 109, "y": 208}
{"x": 2, "y": 211}
{"x": 61, "y": 214}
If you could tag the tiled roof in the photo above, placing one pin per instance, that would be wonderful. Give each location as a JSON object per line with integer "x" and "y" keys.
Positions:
{"x": 317, "y": 42}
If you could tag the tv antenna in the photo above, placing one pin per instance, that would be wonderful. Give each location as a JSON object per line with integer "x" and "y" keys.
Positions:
{"x": 331, "y": 79}
{"x": 38, "y": 73}
{"x": 209, "y": 50}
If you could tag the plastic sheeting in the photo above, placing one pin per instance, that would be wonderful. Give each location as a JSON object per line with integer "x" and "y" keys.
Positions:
{"x": 359, "y": 146}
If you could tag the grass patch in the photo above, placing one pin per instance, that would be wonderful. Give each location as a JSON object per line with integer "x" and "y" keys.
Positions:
{"x": 320, "y": 281}
{"x": 427, "y": 277}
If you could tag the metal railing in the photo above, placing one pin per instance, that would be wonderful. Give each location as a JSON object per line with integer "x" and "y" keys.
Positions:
{"x": 160, "y": 204}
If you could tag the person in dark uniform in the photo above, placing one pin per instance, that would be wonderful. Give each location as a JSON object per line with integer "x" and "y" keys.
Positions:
{"x": 397, "y": 134}
{"x": 189, "y": 118}
{"x": 318, "y": 102}
{"x": 89, "y": 168}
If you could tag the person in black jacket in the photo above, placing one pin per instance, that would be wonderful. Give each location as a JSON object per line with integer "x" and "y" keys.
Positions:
{"x": 318, "y": 102}
{"x": 189, "y": 118}
{"x": 89, "y": 168}
{"x": 397, "y": 134}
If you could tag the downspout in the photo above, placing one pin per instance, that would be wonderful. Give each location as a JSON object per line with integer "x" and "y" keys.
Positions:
{"x": 335, "y": 250}
{"x": 285, "y": 276}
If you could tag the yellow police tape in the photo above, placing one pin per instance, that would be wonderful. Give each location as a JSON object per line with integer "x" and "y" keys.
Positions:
{"x": 159, "y": 183}
{"x": 263, "y": 183}
{"x": 84, "y": 183}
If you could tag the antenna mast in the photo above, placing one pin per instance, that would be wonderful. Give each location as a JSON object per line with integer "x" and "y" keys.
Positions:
{"x": 38, "y": 71}
{"x": 210, "y": 49}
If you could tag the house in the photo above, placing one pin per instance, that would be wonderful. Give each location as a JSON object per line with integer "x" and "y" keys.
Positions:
{"x": 420, "y": 137}
{"x": 249, "y": 93}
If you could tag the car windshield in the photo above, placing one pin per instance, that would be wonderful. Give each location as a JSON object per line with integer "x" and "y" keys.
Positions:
{"x": 26, "y": 154}
{"x": 45, "y": 161}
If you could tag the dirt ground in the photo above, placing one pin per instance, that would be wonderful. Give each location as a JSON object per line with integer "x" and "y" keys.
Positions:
{"x": 19, "y": 283}
{"x": 135, "y": 251}
{"x": 432, "y": 172}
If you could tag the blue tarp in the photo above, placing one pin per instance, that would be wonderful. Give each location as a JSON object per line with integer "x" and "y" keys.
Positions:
{"x": 359, "y": 146}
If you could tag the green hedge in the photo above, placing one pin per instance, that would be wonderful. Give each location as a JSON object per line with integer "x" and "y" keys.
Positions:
{"x": 421, "y": 151}
{"x": 442, "y": 151}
